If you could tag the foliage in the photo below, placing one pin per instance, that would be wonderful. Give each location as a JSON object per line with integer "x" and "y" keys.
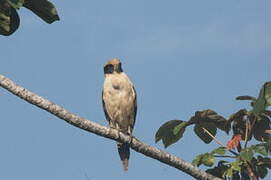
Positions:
{"x": 236, "y": 160}
{"x": 166, "y": 132}
{"x": 9, "y": 18}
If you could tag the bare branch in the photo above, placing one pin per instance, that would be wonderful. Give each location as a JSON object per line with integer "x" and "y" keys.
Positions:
{"x": 214, "y": 138}
{"x": 247, "y": 129}
{"x": 217, "y": 141}
{"x": 106, "y": 132}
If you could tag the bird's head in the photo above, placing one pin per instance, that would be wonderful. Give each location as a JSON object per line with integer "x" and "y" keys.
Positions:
{"x": 113, "y": 66}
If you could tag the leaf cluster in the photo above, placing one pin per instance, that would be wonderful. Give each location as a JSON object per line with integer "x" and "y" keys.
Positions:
{"x": 248, "y": 162}
{"x": 252, "y": 159}
{"x": 10, "y": 20}
{"x": 203, "y": 121}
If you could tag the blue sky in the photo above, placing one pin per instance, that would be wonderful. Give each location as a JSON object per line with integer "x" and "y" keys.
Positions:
{"x": 182, "y": 56}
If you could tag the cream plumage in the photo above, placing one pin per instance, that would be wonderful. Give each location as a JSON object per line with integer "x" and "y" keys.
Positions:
{"x": 119, "y": 103}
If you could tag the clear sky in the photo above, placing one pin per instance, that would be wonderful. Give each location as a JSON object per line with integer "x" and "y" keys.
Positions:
{"x": 182, "y": 56}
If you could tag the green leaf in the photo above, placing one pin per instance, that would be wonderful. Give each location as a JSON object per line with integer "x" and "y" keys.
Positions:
{"x": 246, "y": 98}
{"x": 266, "y": 162}
{"x": 219, "y": 170}
{"x": 233, "y": 171}
{"x": 222, "y": 124}
{"x": 262, "y": 124}
{"x": 165, "y": 132}
{"x": 219, "y": 151}
{"x": 210, "y": 116}
{"x": 197, "y": 161}
{"x": 207, "y": 159}
{"x": 236, "y": 166}
{"x": 16, "y": 3}
{"x": 261, "y": 171}
{"x": 260, "y": 150}
{"x": 239, "y": 121}
{"x": 239, "y": 115}
{"x": 263, "y": 100}
{"x": 259, "y": 105}
{"x": 44, "y": 9}
{"x": 9, "y": 19}
{"x": 267, "y": 113}
{"x": 179, "y": 128}
{"x": 200, "y": 131}
{"x": 268, "y": 93}
{"x": 267, "y": 146}
{"x": 246, "y": 154}
{"x": 228, "y": 173}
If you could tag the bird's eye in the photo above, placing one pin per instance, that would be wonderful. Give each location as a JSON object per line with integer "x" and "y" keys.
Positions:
{"x": 108, "y": 69}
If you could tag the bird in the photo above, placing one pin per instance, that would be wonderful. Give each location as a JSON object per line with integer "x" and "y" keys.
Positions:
{"x": 119, "y": 104}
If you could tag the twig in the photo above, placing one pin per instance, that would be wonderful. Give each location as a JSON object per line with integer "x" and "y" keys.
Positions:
{"x": 246, "y": 135}
{"x": 224, "y": 156}
{"x": 214, "y": 138}
{"x": 250, "y": 171}
{"x": 217, "y": 141}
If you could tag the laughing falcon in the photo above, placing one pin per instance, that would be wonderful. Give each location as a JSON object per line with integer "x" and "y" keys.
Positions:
{"x": 119, "y": 104}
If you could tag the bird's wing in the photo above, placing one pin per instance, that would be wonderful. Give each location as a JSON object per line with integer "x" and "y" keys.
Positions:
{"x": 105, "y": 109}
{"x": 135, "y": 107}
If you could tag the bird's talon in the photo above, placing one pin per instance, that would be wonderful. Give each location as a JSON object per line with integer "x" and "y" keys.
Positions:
{"x": 131, "y": 139}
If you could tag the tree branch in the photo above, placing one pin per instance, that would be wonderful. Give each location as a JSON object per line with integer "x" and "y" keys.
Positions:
{"x": 106, "y": 132}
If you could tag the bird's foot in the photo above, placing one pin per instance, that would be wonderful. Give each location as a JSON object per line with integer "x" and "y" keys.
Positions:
{"x": 131, "y": 139}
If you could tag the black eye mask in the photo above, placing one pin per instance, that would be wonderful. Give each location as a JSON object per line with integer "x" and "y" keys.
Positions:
{"x": 108, "y": 69}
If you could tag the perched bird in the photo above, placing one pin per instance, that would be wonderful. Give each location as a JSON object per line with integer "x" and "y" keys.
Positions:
{"x": 119, "y": 104}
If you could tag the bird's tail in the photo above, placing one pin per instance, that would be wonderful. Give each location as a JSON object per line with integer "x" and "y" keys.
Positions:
{"x": 124, "y": 152}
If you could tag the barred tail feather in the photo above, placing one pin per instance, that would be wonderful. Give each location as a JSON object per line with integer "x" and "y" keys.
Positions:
{"x": 124, "y": 153}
